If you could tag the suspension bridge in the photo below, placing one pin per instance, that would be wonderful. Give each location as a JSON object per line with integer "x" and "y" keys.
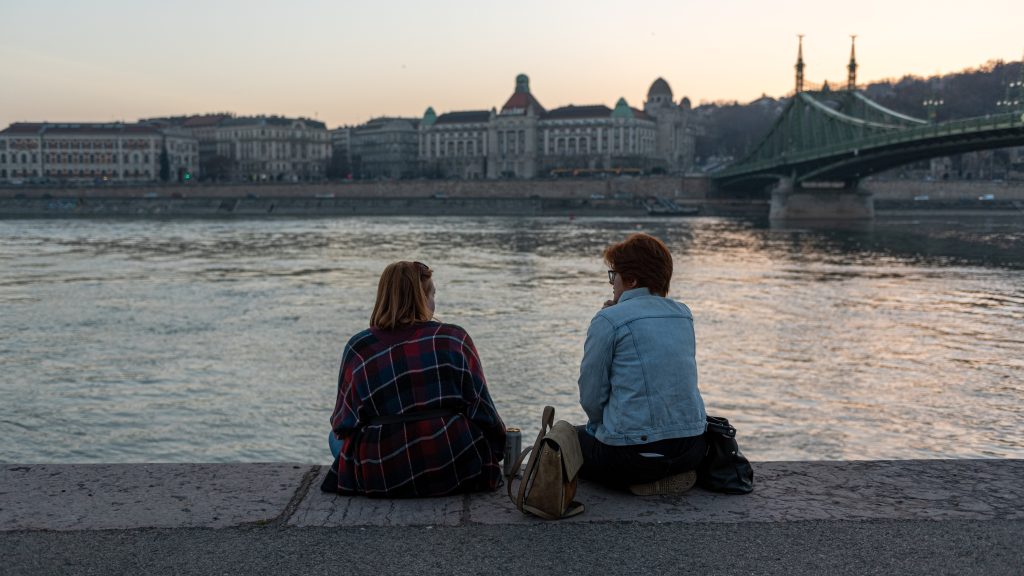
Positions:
{"x": 826, "y": 141}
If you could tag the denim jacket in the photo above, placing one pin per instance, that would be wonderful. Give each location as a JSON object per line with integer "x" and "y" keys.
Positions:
{"x": 638, "y": 378}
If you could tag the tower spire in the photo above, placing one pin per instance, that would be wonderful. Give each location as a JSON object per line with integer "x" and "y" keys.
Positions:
{"x": 800, "y": 65}
{"x": 851, "y": 82}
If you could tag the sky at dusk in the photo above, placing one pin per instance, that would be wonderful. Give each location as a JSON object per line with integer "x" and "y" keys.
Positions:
{"x": 345, "y": 62}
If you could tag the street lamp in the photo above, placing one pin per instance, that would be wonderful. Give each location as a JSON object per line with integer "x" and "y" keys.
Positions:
{"x": 932, "y": 104}
{"x": 1009, "y": 104}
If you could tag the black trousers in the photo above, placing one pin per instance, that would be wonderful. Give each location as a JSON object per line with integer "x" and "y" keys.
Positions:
{"x": 620, "y": 466}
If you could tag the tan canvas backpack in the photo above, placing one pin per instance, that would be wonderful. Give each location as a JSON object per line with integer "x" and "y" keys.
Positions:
{"x": 548, "y": 485}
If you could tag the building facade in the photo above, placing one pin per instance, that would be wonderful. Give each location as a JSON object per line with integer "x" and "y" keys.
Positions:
{"x": 384, "y": 148}
{"x": 256, "y": 148}
{"x": 676, "y": 140}
{"x": 266, "y": 148}
{"x": 341, "y": 153}
{"x": 524, "y": 140}
{"x": 93, "y": 152}
{"x": 454, "y": 144}
{"x": 578, "y": 139}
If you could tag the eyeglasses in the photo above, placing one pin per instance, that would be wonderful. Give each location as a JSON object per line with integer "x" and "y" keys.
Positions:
{"x": 611, "y": 276}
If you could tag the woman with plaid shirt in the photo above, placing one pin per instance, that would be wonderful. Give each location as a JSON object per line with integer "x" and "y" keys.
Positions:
{"x": 413, "y": 416}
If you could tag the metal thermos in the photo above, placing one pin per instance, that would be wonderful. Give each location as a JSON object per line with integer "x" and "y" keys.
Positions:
{"x": 513, "y": 446}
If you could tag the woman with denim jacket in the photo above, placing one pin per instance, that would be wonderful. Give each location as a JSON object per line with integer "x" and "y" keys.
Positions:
{"x": 638, "y": 378}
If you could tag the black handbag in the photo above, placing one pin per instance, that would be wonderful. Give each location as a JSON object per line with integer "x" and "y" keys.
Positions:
{"x": 724, "y": 468}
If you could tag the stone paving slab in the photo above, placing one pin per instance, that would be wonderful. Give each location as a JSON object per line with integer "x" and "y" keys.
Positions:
{"x": 325, "y": 509}
{"x": 111, "y": 496}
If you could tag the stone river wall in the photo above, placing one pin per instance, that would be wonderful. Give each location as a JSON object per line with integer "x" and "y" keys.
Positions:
{"x": 583, "y": 197}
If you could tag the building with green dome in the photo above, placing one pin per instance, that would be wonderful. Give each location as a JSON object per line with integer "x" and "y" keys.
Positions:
{"x": 523, "y": 139}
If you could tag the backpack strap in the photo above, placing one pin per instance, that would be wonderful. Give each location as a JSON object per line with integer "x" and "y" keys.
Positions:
{"x": 508, "y": 485}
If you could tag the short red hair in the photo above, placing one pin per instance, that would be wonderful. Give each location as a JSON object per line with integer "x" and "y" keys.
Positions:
{"x": 643, "y": 258}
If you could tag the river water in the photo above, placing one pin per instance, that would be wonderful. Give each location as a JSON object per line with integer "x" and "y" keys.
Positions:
{"x": 200, "y": 341}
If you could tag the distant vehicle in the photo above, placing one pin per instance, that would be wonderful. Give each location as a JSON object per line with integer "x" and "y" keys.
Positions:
{"x": 987, "y": 197}
{"x": 597, "y": 196}
{"x": 439, "y": 195}
{"x": 921, "y": 198}
{"x": 150, "y": 195}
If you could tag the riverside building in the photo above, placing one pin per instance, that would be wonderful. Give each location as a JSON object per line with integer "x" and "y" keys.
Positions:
{"x": 384, "y": 148}
{"x": 44, "y": 152}
{"x": 257, "y": 148}
{"x": 341, "y": 151}
{"x": 525, "y": 140}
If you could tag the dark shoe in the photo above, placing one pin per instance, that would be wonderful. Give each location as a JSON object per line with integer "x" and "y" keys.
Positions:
{"x": 676, "y": 484}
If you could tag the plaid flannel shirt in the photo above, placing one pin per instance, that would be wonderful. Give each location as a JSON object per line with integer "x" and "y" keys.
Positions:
{"x": 427, "y": 366}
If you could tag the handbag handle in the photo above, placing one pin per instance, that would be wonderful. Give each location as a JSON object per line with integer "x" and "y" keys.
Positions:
{"x": 546, "y": 421}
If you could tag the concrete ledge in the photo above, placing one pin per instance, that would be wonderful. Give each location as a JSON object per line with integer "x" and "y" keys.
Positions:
{"x": 122, "y": 496}
{"x": 111, "y": 496}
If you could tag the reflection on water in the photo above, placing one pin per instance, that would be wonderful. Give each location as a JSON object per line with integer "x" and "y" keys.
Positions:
{"x": 220, "y": 341}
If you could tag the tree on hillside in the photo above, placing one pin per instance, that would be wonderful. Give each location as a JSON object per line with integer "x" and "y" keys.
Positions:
{"x": 734, "y": 129}
{"x": 965, "y": 94}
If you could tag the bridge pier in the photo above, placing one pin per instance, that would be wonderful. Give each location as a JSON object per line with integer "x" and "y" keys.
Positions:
{"x": 821, "y": 201}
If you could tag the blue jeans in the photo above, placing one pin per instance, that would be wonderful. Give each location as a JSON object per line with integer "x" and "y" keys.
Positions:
{"x": 334, "y": 443}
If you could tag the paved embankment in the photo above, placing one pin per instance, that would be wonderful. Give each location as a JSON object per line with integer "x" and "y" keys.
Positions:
{"x": 133, "y": 496}
{"x": 938, "y": 516}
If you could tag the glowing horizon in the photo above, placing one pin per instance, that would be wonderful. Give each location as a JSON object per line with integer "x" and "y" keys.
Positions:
{"x": 345, "y": 63}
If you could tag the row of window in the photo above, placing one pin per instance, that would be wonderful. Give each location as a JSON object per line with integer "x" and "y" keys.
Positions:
{"x": 298, "y": 153}
{"x": 589, "y": 130}
{"x": 66, "y": 173}
{"x": 298, "y": 133}
{"x": 24, "y": 156}
{"x": 582, "y": 145}
{"x": 79, "y": 158}
{"x": 432, "y": 148}
{"x": 559, "y": 146}
{"x": 512, "y": 141}
{"x": 182, "y": 146}
{"x": 93, "y": 173}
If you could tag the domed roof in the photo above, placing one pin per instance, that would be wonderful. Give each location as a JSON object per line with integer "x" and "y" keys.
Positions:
{"x": 522, "y": 83}
{"x": 429, "y": 117}
{"x": 685, "y": 103}
{"x": 660, "y": 88}
{"x": 521, "y": 99}
{"x": 622, "y": 109}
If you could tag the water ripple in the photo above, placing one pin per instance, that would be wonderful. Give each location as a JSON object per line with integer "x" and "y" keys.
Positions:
{"x": 219, "y": 341}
